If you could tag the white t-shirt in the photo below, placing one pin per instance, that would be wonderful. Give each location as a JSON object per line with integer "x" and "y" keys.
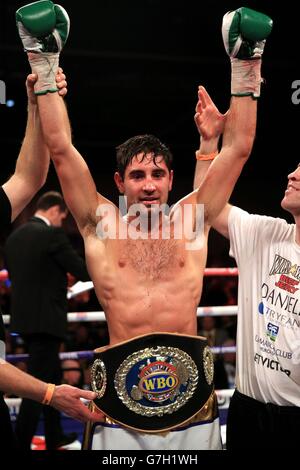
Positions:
{"x": 268, "y": 335}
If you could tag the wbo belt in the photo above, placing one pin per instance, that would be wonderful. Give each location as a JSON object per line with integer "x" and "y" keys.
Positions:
{"x": 154, "y": 382}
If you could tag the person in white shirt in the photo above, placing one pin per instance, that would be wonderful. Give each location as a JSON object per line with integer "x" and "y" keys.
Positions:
{"x": 265, "y": 408}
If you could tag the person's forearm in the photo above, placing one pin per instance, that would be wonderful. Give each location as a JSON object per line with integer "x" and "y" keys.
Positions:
{"x": 240, "y": 125}
{"x": 207, "y": 146}
{"x": 63, "y": 397}
{"x": 55, "y": 123}
{"x": 34, "y": 157}
{"x": 14, "y": 381}
{"x": 31, "y": 168}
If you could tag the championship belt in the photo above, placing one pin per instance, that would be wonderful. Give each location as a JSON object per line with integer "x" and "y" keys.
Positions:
{"x": 154, "y": 382}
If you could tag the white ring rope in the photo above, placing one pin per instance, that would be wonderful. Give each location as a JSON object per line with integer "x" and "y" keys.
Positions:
{"x": 207, "y": 272}
{"x": 229, "y": 310}
{"x": 77, "y": 355}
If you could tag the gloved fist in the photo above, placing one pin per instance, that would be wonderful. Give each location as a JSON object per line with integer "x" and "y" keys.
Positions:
{"x": 244, "y": 34}
{"x": 43, "y": 28}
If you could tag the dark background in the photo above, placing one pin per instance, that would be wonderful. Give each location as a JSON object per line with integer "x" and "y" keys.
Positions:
{"x": 134, "y": 67}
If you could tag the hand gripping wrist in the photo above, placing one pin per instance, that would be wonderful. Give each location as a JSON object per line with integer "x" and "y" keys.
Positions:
{"x": 45, "y": 65}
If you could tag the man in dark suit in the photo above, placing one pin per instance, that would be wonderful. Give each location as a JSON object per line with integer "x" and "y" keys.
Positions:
{"x": 39, "y": 256}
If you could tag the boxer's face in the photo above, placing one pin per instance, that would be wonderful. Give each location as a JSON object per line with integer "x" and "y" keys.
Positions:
{"x": 145, "y": 182}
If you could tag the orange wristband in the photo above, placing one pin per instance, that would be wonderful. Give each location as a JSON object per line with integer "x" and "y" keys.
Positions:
{"x": 49, "y": 394}
{"x": 206, "y": 157}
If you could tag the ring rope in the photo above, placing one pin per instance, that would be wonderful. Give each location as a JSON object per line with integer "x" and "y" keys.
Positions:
{"x": 229, "y": 310}
{"x": 207, "y": 272}
{"x": 90, "y": 354}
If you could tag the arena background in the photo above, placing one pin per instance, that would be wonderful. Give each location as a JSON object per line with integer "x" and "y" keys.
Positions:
{"x": 134, "y": 67}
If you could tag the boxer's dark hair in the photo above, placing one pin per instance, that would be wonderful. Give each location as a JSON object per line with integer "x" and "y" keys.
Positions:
{"x": 144, "y": 144}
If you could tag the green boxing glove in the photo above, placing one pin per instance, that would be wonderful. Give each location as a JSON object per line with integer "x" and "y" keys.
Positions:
{"x": 43, "y": 28}
{"x": 244, "y": 34}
